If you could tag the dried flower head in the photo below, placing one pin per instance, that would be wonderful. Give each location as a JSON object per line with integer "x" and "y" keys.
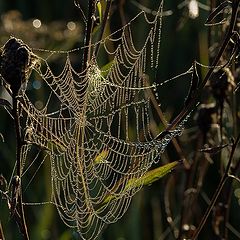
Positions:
{"x": 16, "y": 63}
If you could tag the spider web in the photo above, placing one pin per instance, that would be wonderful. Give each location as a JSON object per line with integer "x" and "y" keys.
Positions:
{"x": 94, "y": 127}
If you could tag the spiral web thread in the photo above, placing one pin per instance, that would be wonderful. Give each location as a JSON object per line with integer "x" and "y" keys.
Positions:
{"x": 95, "y": 130}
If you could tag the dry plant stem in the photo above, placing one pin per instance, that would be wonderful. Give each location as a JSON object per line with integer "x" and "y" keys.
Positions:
{"x": 165, "y": 124}
{"x": 103, "y": 25}
{"x": 164, "y": 121}
{"x": 170, "y": 183}
{"x": 1, "y": 232}
{"x": 229, "y": 190}
{"x": 192, "y": 103}
{"x": 189, "y": 184}
{"x": 212, "y": 7}
{"x": 226, "y": 193}
{"x": 217, "y": 192}
{"x": 227, "y": 203}
{"x": 22, "y": 223}
{"x": 88, "y": 34}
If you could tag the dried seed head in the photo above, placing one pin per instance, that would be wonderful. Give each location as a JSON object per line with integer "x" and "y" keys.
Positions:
{"x": 15, "y": 63}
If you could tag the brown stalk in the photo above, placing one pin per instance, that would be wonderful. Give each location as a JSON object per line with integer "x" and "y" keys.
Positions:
{"x": 18, "y": 213}
{"x": 1, "y": 232}
{"x": 218, "y": 190}
{"x": 192, "y": 103}
{"x": 88, "y": 34}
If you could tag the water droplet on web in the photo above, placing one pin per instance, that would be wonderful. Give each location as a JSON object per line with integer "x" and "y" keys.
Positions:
{"x": 36, "y": 84}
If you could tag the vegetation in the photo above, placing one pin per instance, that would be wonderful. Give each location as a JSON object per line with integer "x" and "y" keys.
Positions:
{"x": 199, "y": 199}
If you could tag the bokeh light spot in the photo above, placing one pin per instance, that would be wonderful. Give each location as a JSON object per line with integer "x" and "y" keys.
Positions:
{"x": 37, "y": 23}
{"x": 71, "y": 26}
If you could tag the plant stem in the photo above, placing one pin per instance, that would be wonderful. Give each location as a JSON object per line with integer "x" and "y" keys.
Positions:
{"x": 1, "y": 232}
{"x": 217, "y": 192}
{"x": 192, "y": 103}
{"x": 21, "y": 221}
{"x": 89, "y": 27}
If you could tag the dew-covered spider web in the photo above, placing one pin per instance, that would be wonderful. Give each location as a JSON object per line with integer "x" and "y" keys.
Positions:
{"x": 94, "y": 126}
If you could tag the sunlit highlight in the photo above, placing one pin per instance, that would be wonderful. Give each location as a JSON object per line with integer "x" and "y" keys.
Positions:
{"x": 37, "y": 23}
{"x": 193, "y": 9}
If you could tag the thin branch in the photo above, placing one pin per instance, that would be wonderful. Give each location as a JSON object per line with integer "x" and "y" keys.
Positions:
{"x": 22, "y": 223}
{"x": 89, "y": 28}
{"x": 77, "y": 4}
{"x": 226, "y": 204}
{"x": 218, "y": 190}
{"x": 1, "y": 232}
{"x": 192, "y": 103}
{"x": 234, "y": 177}
{"x": 189, "y": 184}
{"x": 165, "y": 123}
{"x": 167, "y": 206}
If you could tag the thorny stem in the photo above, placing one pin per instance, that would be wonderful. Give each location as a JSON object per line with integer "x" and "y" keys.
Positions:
{"x": 192, "y": 103}
{"x": 103, "y": 25}
{"x": 22, "y": 221}
{"x": 89, "y": 27}
{"x": 218, "y": 191}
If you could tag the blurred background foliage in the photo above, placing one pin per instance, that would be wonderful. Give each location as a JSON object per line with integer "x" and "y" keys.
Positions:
{"x": 157, "y": 211}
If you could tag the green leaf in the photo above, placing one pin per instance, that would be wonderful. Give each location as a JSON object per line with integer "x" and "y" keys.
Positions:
{"x": 101, "y": 157}
{"x": 147, "y": 179}
{"x": 99, "y": 7}
{"x": 152, "y": 176}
